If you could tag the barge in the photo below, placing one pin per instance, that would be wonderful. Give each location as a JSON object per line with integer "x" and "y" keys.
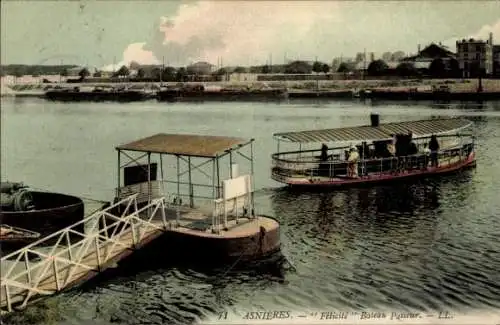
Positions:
{"x": 98, "y": 94}
{"x": 199, "y": 93}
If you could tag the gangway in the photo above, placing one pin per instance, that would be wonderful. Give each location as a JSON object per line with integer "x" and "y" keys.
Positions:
{"x": 44, "y": 268}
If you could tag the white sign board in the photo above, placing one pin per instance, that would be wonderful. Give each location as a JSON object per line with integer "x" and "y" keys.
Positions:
{"x": 236, "y": 187}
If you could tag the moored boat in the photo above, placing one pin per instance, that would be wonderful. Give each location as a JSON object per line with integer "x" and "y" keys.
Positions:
{"x": 38, "y": 211}
{"x": 199, "y": 93}
{"x": 97, "y": 94}
{"x": 374, "y": 153}
{"x": 13, "y": 238}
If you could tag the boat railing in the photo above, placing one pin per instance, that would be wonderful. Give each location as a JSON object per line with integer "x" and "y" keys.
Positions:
{"x": 312, "y": 168}
{"x": 312, "y": 156}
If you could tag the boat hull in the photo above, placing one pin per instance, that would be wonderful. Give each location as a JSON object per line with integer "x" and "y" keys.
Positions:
{"x": 54, "y": 211}
{"x": 186, "y": 95}
{"x": 76, "y": 96}
{"x": 433, "y": 96}
{"x": 378, "y": 178}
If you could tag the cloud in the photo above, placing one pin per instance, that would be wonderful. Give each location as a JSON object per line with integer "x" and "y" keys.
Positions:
{"x": 483, "y": 33}
{"x": 133, "y": 52}
{"x": 236, "y": 31}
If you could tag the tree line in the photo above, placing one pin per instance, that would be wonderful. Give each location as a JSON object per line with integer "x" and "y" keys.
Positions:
{"x": 437, "y": 68}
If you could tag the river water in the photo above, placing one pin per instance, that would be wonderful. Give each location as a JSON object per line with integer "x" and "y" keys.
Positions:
{"x": 430, "y": 245}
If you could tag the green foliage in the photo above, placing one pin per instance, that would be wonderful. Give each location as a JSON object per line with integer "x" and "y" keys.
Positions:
{"x": 406, "y": 69}
{"x": 122, "y": 72}
{"x": 377, "y": 68}
{"x": 298, "y": 67}
{"x": 84, "y": 73}
{"x": 345, "y": 67}
{"x": 240, "y": 70}
{"x": 325, "y": 68}
{"x": 437, "y": 68}
{"x": 169, "y": 74}
{"x": 20, "y": 70}
{"x": 265, "y": 69}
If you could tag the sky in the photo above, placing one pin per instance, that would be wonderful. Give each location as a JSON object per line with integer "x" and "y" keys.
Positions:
{"x": 178, "y": 32}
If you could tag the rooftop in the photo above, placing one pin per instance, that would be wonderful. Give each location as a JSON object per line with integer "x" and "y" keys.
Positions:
{"x": 206, "y": 146}
{"x": 384, "y": 131}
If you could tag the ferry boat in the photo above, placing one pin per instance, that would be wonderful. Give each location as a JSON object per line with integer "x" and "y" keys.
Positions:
{"x": 374, "y": 153}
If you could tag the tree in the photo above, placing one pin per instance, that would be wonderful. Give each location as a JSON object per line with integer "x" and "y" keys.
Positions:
{"x": 240, "y": 70}
{"x": 317, "y": 67}
{"x": 377, "y": 68}
{"x": 325, "y": 68}
{"x": 454, "y": 68}
{"x": 141, "y": 73}
{"x": 437, "y": 68}
{"x": 123, "y": 71}
{"x": 64, "y": 73}
{"x": 84, "y": 73}
{"x": 168, "y": 74}
{"x": 181, "y": 74}
{"x": 406, "y": 69}
{"x": 345, "y": 67}
{"x": 298, "y": 67}
{"x": 156, "y": 73}
{"x": 266, "y": 69}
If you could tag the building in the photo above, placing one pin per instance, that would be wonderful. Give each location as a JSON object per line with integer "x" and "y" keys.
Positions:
{"x": 496, "y": 60}
{"x": 475, "y": 57}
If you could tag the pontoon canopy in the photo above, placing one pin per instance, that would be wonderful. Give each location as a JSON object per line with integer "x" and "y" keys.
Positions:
{"x": 207, "y": 146}
{"x": 422, "y": 128}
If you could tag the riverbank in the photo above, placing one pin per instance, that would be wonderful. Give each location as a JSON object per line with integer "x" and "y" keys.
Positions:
{"x": 421, "y": 85}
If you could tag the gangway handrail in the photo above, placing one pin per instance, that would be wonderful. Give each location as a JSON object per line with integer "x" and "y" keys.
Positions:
{"x": 97, "y": 235}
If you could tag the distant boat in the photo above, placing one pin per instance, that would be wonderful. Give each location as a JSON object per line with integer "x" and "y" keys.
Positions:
{"x": 42, "y": 212}
{"x": 98, "y": 94}
{"x": 200, "y": 93}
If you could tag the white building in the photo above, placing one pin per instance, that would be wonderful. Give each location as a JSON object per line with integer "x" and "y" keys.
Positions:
{"x": 474, "y": 56}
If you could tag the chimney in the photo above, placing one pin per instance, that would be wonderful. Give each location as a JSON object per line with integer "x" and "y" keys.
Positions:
{"x": 491, "y": 38}
{"x": 418, "y": 49}
{"x": 372, "y": 57}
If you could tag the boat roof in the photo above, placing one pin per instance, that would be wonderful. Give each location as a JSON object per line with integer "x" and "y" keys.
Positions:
{"x": 207, "y": 146}
{"x": 385, "y": 131}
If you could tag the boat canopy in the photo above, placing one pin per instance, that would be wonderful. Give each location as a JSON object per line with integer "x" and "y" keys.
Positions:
{"x": 205, "y": 146}
{"x": 385, "y": 131}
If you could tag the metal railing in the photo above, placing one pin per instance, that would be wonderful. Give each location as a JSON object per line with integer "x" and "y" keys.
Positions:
{"x": 56, "y": 266}
{"x": 281, "y": 170}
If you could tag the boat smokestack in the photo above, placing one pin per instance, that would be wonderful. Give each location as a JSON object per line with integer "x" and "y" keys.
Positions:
{"x": 375, "y": 119}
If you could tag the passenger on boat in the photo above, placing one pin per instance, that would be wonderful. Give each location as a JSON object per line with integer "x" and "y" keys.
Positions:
{"x": 324, "y": 152}
{"x": 434, "y": 148}
{"x": 352, "y": 163}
